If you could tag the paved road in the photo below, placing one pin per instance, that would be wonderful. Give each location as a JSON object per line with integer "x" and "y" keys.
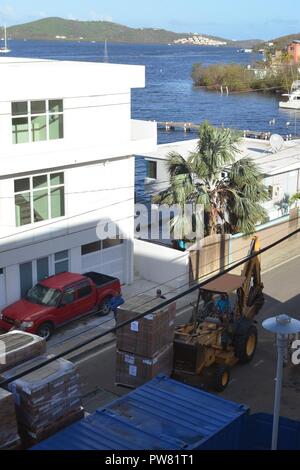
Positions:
{"x": 252, "y": 384}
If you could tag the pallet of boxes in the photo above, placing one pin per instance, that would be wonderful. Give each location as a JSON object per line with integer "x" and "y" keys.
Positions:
{"x": 34, "y": 405}
{"x": 144, "y": 346}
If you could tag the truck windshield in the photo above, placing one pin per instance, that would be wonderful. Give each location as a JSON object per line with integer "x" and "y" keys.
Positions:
{"x": 43, "y": 295}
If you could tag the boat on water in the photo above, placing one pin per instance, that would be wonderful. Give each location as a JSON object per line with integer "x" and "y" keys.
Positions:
{"x": 245, "y": 51}
{"x": 294, "y": 97}
{"x": 5, "y": 49}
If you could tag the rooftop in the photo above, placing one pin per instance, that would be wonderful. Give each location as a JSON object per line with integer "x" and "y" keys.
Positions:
{"x": 65, "y": 78}
{"x": 270, "y": 163}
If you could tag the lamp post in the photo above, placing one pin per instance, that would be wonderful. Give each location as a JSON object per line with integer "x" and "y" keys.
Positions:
{"x": 282, "y": 326}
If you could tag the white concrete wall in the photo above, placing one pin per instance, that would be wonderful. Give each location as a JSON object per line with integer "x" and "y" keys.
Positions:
{"x": 161, "y": 264}
{"x": 97, "y": 113}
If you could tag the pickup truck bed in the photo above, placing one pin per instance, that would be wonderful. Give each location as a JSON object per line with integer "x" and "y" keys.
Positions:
{"x": 100, "y": 279}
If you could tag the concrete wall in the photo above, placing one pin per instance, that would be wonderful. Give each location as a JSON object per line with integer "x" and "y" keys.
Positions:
{"x": 161, "y": 264}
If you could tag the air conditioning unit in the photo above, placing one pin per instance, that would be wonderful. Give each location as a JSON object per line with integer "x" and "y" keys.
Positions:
{"x": 275, "y": 191}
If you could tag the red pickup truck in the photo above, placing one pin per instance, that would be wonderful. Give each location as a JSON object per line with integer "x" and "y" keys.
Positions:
{"x": 59, "y": 299}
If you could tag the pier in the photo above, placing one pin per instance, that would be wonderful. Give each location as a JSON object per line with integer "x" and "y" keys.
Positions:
{"x": 169, "y": 126}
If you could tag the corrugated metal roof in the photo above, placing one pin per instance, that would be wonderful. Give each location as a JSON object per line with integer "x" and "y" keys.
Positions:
{"x": 163, "y": 414}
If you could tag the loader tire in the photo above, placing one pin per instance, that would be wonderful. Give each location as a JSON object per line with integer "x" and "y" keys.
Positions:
{"x": 220, "y": 377}
{"x": 245, "y": 342}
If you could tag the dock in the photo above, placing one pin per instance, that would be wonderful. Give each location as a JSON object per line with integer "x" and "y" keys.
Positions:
{"x": 170, "y": 126}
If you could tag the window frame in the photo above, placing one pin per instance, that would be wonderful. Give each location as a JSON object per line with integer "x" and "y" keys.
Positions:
{"x": 152, "y": 165}
{"x": 49, "y": 187}
{"x": 47, "y": 114}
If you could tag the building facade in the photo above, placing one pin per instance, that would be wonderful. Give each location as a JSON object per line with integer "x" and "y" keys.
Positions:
{"x": 67, "y": 142}
{"x": 294, "y": 51}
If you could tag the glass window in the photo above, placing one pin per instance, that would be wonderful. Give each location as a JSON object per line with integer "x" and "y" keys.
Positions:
{"x": 39, "y": 182}
{"x": 38, "y": 128}
{"x": 39, "y": 198}
{"x": 38, "y": 107}
{"x": 37, "y": 121}
{"x": 68, "y": 297}
{"x": 56, "y": 126}
{"x": 20, "y": 130}
{"x": 25, "y": 278}
{"x": 84, "y": 290}
{"x": 19, "y": 109}
{"x": 22, "y": 184}
{"x": 42, "y": 268}
{"x": 152, "y": 170}
{"x": 61, "y": 255}
{"x": 57, "y": 202}
{"x": 56, "y": 179}
{"x": 110, "y": 242}
{"x": 61, "y": 262}
{"x": 90, "y": 248}
{"x": 40, "y": 205}
{"x": 56, "y": 106}
{"x": 22, "y": 209}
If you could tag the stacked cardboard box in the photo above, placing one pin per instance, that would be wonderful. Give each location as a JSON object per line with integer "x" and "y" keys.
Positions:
{"x": 17, "y": 347}
{"x": 46, "y": 399}
{"x": 144, "y": 346}
{"x": 9, "y": 437}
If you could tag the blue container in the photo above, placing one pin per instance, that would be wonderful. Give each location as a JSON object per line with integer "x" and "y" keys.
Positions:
{"x": 163, "y": 414}
{"x": 259, "y": 433}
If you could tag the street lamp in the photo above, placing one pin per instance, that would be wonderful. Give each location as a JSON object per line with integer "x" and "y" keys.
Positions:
{"x": 282, "y": 326}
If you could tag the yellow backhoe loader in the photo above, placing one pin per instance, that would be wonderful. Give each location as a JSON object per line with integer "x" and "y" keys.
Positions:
{"x": 221, "y": 334}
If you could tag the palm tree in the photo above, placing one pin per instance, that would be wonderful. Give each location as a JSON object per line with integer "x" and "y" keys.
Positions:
{"x": 229, "y": 190}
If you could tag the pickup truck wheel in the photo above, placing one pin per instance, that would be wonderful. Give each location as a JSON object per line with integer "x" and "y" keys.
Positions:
{"x": 45, "y": 330}
{"x": 104, "y": 307}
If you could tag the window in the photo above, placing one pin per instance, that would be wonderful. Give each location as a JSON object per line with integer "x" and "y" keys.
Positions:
{"x": 152, "y": 169}
{"x": 68, "y": 297}
{"x": 39, "y": 198}
{"x": 100, "y": 245}
{"x": 110, "y": 242}
{"x": 61, "y": 262}
{"x": 26, "y": 281}
{"x": 35, "y": 121}
{"x": 42, "y": 268}
{"x": 84, "y": 290}
{"x": 91, "y": 248}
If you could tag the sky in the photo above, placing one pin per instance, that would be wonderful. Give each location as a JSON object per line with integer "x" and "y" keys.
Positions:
{"x": 231, "y": 19}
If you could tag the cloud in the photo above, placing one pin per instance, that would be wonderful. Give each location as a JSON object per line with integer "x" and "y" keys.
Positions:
{"x": 42, "y": 14}
{"x": 7, "y": 11}
{"x": 95, "y": 16}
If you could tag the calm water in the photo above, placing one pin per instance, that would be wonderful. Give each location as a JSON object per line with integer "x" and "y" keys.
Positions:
{"x": 169, "y": 92}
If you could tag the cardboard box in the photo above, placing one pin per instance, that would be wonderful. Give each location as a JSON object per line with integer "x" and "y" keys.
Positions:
{"x": 9, "y": 436}
{"x": 133, "y": 371}
{"x": 49, "y": 394}
{"x": 147, "y": 336}
{"x": 18, "y": 347}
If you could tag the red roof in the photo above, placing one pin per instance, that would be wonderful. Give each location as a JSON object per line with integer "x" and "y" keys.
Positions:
{"x": 60, "y": 281}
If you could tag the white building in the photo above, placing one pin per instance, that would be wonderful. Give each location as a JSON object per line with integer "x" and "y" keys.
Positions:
{"x": 66, "y": 146}
{"x": 281, "y": 169}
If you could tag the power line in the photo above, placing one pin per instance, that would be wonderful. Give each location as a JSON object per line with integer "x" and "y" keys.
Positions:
{"x": 152, "y": 310}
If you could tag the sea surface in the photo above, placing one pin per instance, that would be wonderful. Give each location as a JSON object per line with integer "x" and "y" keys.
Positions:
{"x": 170, "y": 94}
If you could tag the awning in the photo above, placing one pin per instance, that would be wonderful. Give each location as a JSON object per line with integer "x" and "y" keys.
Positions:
{"x": 225, "y": 284}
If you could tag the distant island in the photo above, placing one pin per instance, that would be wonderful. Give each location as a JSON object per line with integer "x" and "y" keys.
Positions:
{"x": 72, "y": 30}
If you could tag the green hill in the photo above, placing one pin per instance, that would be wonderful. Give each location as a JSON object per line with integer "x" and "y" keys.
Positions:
{"x": 49, "y": 28}
{"x": 283, "y": 41}
{"x": 73, "y": 30}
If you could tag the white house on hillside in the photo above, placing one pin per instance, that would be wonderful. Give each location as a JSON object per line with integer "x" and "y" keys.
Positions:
{"x": 66, "y": 146}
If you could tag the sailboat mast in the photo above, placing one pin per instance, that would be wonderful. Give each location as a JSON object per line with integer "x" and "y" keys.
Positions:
{"x": 5, "y": 37}
{"x": 105, "y": 52}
